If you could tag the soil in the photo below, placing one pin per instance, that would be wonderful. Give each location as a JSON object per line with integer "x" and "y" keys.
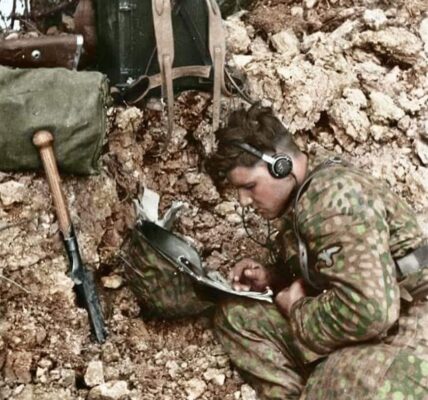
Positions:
{"x": 350, "y": 77}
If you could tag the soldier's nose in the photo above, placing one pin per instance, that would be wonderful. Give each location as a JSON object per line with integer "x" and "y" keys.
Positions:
{"x": 244, "y": 199}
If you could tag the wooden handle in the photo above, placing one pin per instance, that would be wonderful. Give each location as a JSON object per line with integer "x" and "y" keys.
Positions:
{"x": 43, "y": 140}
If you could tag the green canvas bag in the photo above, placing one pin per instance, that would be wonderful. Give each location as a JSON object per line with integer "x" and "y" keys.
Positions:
{"x": 70, "y": 104}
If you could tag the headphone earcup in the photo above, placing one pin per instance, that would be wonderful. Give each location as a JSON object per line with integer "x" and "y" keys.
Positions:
{"x": 281, "y": 167}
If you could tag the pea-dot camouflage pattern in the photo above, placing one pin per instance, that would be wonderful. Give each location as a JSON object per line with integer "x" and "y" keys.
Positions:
{"x": 161, "y": 289}
{"x": 357, "y": 338}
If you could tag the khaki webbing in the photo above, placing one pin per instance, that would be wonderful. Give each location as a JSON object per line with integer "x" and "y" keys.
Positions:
{"x": 217, "y": 46}
{"x": 162, "y": 23}
{"x": 138, "y": 89}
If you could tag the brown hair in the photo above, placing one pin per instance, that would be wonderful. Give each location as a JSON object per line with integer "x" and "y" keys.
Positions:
{"x": 257, "y": 127}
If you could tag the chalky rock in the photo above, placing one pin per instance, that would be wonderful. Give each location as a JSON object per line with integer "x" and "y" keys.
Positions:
{"x": 12, "y": 192}
{"x": 94, "y": 374}
{"x": 113, "y": 390}
{"x": 400, "y": 45}
{"x": 287, "y": 44}
{"x": 112, "y": 281}
{"x": 354, "y": 122}
{"x": 375, "y": 18}
{"x": 423, "y": 32}
{"x": 421, "y": 147}
{"x": 215, "y": 376}
{"x": 195, "y": 388}
{"x": 384, "y": 108}
{"x": 248, "y": 393}
{"x": 237, "y": 38}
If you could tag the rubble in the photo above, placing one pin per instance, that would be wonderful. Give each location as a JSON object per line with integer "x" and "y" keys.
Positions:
{"x": 396, "y": 43}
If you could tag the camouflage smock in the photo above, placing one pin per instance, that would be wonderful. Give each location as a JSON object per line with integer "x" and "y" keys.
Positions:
{"x": 356, "y": 339}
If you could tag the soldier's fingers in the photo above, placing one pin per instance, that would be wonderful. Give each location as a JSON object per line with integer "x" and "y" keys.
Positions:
{"x": 240, "y": 287}
{"x": 240, "y": 266}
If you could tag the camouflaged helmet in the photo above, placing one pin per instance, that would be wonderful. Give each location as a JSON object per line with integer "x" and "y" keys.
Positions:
{"x": 162, "y": 290}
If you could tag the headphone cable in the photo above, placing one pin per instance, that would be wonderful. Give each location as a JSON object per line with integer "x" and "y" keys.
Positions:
{"x": 268, "y": 244}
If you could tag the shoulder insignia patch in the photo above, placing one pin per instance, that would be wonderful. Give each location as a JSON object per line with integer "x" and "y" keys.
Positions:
{"x": 326, "y": 255}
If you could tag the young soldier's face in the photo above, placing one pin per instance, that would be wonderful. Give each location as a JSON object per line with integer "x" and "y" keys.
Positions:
{"x": 257, "y": 188}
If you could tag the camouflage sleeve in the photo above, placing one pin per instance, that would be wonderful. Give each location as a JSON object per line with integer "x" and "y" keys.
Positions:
{"x": 344, "y": 225}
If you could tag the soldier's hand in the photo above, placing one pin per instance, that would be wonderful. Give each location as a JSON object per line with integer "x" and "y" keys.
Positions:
{"x": 248, "y": 274}
{"x": 285, "y": 299}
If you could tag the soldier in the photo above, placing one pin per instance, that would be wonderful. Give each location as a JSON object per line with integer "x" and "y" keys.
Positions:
{"x": 356, "y": 327}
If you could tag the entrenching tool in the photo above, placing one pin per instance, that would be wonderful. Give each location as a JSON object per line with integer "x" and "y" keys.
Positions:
{"x": 82, "y": 278}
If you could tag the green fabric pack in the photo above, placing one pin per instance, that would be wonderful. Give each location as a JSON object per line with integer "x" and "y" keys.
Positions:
{"x": 162, "y": 291}
{"x": 70, "y": 104}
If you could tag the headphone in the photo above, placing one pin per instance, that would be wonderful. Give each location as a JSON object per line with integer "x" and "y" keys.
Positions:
{"x": 279, "y": 165}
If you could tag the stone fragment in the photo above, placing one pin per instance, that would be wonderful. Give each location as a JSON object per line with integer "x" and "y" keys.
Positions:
{"x": 355, "y": 97}
{"x": 68, "y": 22}
{"x": 23, "y": 392}
{"x": 308, "y": 90}
{"x": 398, "y": 44}
{"x": 41, "y": 375}
{"x": 234, "y": 219}
{"x": 112, "y": 281}
{"x": 225, "y": 208}
{"x": 423, "y": 32}
{"x": 354, "y": 122}
{"x": 248, "y": 393}
{"x": 421, "y": 147}
{"x": 94, "y": 373}
{"x": 404, "y": 123}
{"x": 215, "y": 376}
{"x": 193, "y": 178}
{"x": 194, "y": 388}
{"x": 424, "y": 130}
{"x": 12, "y": 192}
{"x": 310, "y": 3}
{"x": 113, "y": 390}
{"x": 68, "y": 377}
{"x": 237, "y": 38}
{"x": 18, "y": 367}
{"x": 287, "y": 44}
{"x": 239, "y": 61}
{"x": 384, "y": 108}
{"x": 421, "y": 178}
{"x": 173, "y": 368}
{"x": 411, "y": 105}
{"x": 381, "y": 133}
{"x": 297, "y": 11}
{"x": 375, "y": 18}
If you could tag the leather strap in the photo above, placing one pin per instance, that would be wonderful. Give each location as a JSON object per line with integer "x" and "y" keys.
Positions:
{"x": 162, "y": 23}
{"x": 217, "y": 46}
{"x": 138, "y": 89}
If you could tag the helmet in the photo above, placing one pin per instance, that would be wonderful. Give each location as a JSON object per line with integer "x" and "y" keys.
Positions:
{"x": 161, "y": 288}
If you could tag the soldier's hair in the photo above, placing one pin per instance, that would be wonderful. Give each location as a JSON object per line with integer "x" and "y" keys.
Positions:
{"x": 258, "y": 127}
